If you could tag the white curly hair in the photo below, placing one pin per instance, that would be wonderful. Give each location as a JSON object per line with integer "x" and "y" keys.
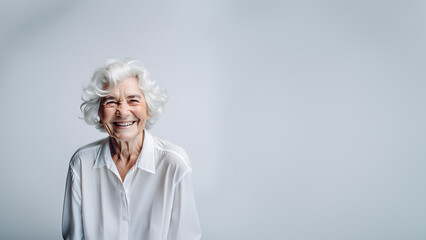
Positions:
{"x": 106, "y": 78}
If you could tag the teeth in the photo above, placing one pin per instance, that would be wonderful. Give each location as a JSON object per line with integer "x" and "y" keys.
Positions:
{"x": 124, "y": 124}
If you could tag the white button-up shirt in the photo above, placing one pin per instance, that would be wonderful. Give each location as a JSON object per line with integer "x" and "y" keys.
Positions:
{"x": 155, "y": 201}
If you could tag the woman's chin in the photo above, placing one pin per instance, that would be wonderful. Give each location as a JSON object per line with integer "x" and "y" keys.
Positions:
{"x": 125, "y": 137}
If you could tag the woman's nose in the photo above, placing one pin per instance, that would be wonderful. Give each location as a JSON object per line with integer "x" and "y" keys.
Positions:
{"x": 122, "y": 110}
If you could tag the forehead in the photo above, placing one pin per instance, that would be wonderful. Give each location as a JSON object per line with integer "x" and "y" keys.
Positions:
{"x": 128, "y": 86}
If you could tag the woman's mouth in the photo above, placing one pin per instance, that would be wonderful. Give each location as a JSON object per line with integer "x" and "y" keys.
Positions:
{"x": 124, "y": 124}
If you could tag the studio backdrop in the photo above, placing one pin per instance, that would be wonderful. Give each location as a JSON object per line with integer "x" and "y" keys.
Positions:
{"x": 303, "y": 120}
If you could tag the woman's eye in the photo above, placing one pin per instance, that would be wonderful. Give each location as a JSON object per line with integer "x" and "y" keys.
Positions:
{"x": 110, "y": 103}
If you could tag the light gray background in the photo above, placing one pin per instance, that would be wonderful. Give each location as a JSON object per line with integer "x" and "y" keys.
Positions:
{"x": 303, "y": 119}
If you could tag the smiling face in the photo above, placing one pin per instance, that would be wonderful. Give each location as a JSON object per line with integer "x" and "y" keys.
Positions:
{"x": 124, "y": 111}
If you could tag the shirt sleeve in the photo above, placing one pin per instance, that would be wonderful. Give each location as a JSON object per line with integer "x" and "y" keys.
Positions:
{"x": 184, "y": 224}
{"x": 72, "y": 225}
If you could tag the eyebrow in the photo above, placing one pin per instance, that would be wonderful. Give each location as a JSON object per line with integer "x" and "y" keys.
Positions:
{"x": 128, "y": 97}
{"x": 134, "y": 96}
{"x": 108, "y": 98}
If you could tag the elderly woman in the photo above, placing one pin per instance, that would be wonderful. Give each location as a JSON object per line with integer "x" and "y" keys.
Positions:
{"x": 130, "y": 185}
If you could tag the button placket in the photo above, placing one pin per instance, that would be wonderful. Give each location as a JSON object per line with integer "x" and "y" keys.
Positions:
{"x": 125, "y": 204}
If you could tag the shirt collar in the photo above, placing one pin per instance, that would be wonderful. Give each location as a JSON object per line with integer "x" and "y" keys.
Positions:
{"x": 145, "y": 159}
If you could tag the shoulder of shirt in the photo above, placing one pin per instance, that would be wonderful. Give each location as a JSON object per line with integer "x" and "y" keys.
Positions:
{"x": 87, "y": 151}
{"x": 174, "y": 152}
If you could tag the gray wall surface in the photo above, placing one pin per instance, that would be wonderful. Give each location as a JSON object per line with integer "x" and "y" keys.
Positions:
{"x": 302, "y": 119}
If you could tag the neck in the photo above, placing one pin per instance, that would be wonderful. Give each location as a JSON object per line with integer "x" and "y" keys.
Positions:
{"x": 127, "y": 151}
